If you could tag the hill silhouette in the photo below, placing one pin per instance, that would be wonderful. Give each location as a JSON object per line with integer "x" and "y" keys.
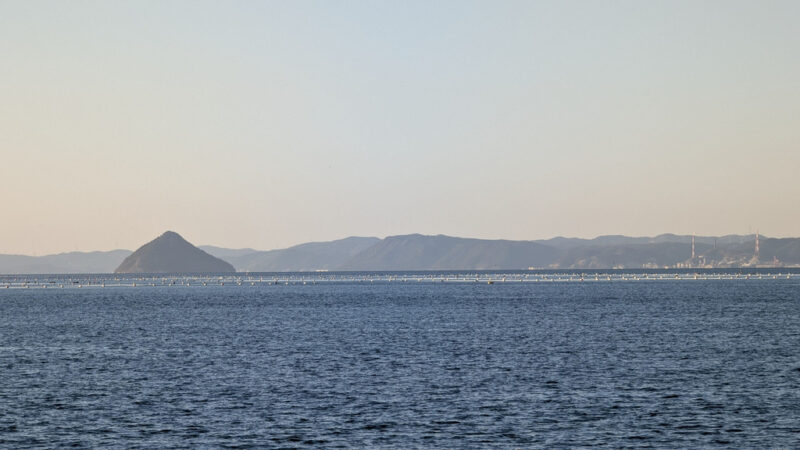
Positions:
{"x": 304, "y": 257}
{"x": 415, "y": 251}
{"x": 170, "y": 253}
{"x": 421, "y": 252}
{"x": 71, "y": 262}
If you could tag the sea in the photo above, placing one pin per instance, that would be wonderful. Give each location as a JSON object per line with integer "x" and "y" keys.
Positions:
{"x": 517, "y": 359}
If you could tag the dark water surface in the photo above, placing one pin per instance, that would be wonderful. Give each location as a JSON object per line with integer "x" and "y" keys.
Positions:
{"x": 657, "y": 363}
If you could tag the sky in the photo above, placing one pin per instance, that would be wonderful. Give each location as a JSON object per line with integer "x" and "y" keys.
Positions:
{"x": 266, "y": 124}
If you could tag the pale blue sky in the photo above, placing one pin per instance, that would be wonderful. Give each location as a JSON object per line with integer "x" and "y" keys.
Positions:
{"x": 266, "y": 124}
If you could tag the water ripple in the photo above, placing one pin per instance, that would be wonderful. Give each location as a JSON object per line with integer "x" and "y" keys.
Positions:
{"x": 687, "y": 363}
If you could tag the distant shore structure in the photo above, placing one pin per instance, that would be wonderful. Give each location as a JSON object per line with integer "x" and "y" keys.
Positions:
{"x": 756, "y": 253}
{"x": 709, "y": 259}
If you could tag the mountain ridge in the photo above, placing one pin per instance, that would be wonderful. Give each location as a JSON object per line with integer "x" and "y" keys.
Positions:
{"x": 61, "y": 263}
{"x": 442, "y": 252}
{"x": 305, "y": 257}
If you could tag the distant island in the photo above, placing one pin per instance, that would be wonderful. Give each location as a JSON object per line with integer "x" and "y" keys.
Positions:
{"x": 171, "y": 253}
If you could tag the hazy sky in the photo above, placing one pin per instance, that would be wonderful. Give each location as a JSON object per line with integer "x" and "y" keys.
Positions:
{"x": 266, "y": 124}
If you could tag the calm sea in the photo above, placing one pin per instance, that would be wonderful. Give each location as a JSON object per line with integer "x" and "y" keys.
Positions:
{"x": 401, "y": 360}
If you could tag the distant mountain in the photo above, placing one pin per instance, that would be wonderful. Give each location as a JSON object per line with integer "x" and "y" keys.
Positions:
{"x": 627, "y": 255}
{"x": 304, "y": 257}
{"x": 170, "y": 253}
{"x": 418, "y": 252}
{"x": 669, "y": 250}
{"x": 224, "y": 253}
{"x": 785, "y": 250}
{"x": 610, "y": 240}
{"x": 73, "y": 262}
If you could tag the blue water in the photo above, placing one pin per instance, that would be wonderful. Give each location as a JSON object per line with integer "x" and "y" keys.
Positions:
{"x": 430, "y": 363}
